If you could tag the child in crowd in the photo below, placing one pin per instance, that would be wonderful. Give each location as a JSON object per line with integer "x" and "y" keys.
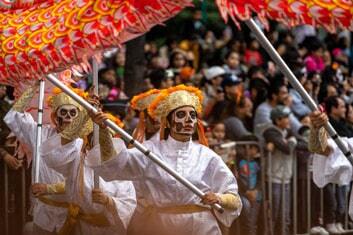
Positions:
{"x": 232, "y": 64}
{"x": 221, "y": 146}
{"x": 249, "y": 185}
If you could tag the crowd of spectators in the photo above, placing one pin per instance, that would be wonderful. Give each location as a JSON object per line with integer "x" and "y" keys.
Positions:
{"x": 246, "y": 98}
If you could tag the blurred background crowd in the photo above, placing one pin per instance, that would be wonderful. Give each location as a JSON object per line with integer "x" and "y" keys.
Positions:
{"x": 246, "y": 99}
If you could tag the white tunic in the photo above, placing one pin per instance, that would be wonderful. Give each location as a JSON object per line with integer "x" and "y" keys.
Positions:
{"x": 197, "y": 163}
{"x": 66, "y": 160}
{"x": 24, "y": 127}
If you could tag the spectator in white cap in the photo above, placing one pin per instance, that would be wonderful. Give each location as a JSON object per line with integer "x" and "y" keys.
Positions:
{"x": 233, "y": 90}
{"x": 212, "y": 91}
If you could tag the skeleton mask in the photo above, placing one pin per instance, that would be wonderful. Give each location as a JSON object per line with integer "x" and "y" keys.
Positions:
{"x": 184, "y": 120}
{"x": 66, "y": 113}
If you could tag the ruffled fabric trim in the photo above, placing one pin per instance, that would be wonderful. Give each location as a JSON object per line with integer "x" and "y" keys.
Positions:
{"x": 40, "y": 37}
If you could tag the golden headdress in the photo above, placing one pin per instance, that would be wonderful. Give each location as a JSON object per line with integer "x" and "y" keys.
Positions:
{"x": 82, "y": 125}
{"x": 141, "y": 102}
{"x": 60, "y": 98}
{"x": 173, "y": 98}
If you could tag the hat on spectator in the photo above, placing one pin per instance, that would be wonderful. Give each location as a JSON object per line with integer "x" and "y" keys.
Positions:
{"x": 230, "y": 80}
{"x": 213, "y": 72}
{"x": 280, "y": 111}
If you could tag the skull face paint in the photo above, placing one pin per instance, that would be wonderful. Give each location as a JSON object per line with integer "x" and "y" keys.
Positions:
{"x": 66, "y": 114}
{"x": 184, "y": 120}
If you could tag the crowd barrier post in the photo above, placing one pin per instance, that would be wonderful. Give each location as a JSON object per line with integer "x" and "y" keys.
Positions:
{"x": 6, "y": 199}
{"x": 295, "y": 191}
{"x": 265, "y": 209}
{"x": 269, "y": 184}
{"x": 23, "y": 195}
{"x": 308, "y": 187}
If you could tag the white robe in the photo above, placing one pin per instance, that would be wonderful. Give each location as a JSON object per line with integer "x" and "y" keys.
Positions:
{"x": 24, "y": 127}
{"x": 197, "y": 163}
{"x": 66, "y": 160}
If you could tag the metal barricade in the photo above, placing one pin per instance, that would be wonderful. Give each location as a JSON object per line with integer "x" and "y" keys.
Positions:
{"x": 6, "y": 200}
{"x": 263, "y": 173}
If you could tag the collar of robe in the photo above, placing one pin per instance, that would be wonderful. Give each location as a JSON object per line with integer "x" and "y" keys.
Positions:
{"x": 178, "y": 145}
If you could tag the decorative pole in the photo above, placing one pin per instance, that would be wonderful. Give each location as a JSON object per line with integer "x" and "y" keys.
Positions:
{"x": 128, "y": 138}
{"x": 95, "y": 127}
{"x": 36, "y": 159}
{"x": 295, "y": 83}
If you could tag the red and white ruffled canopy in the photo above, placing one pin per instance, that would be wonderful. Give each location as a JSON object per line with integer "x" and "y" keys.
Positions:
{"x": 38, "y": 37}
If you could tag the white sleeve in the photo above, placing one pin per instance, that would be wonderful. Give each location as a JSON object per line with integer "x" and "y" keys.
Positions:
{"x": 124, "y": 198}
{"x": 223, "y": 181}
{"x": 61, "y": 157}
{"x": 23, "y": 126}
{"x": 129, "y": 164}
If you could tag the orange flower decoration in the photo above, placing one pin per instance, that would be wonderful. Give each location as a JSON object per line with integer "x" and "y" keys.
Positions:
{"x": 116, "y": 120}
{"x": 142, "y": 101}
{"x": 60, "y": 98}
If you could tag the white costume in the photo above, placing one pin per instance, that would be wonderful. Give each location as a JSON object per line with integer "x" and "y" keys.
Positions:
{"x": 197, "y": 163}
{"x": 67, "y": 160}
{"x": 24, "y": 127}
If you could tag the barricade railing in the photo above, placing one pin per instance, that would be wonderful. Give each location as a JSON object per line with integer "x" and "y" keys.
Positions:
{"x": 266, "y": 159}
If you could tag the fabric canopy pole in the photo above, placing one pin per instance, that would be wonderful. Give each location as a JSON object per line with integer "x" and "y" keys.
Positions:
{"x": 295, "y": 83}
{"x": 36, "y": 159}
{"x": 96, "y": 127}
{"x": 125, "y": 136}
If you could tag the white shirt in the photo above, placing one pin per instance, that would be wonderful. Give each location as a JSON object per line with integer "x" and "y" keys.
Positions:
{"x": 195, "y": 162}
{"x": 66, "y": 160}
{"x": 24, "y": 127}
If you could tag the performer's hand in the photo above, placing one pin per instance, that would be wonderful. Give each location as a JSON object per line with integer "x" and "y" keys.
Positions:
{"x": 39, "y": 189}
{"x": 12, "y": 162}
{"x": 93, "y": 98}
{"x": 98, "y": 118}
{"x": 318, "y": 119}
{"x": 210, "y": 198}
{"x": 99, "y": 197}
